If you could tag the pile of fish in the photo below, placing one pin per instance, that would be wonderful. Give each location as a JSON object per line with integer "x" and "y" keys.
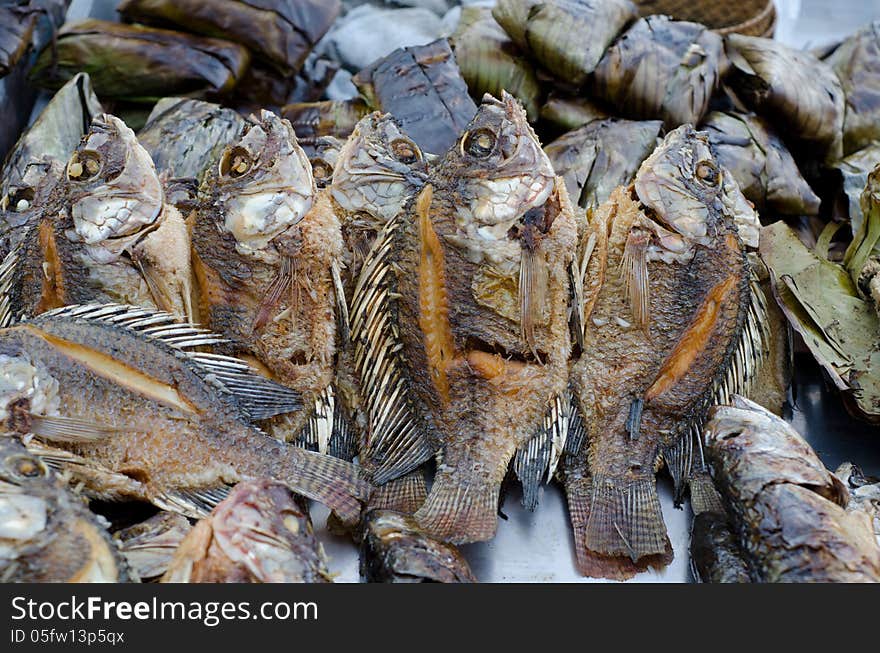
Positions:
{"x": 398, "y": 303}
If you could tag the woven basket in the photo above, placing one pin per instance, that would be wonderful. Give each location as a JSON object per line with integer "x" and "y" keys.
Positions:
{"x": 750, "y": 17}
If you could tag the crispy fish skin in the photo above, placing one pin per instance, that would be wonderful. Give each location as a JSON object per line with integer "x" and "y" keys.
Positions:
{"x": 261, "y": 533}
{"x": 715, "y": 554}
{"x": 104, "y": 233}
{"x": 480, "y": 263}
{"x": 395, "y": 549}
{"x": 134, "y": 417}
{"x": 263, "y": 250}
{"x": 47, "y": 534}
{"x": 149, "y": 546}
{"x": 662, "y": 333}
{"x": 788, "y": 510}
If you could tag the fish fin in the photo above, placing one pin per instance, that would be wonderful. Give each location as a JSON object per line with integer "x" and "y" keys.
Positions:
{"x": 460, "y": 511}
{"x": 343, "y": 440}
{"x": 625, "y": 518}
{"x": 704, "y": 495}
{"x": 543, "y": 450}
{"x": 152, "y": 323}
{"x": 69, "y": 429}
{"x": 7, "y": 277}
{"x": 157, "y": 288}
{"x": 405, "y": 494}
{"x": 397, "y": 443}
{"x": 634, "y": 271}
{"x": 338, "y": 484}
{"x": 343, "y": 321}
{"x": 577, "y": 429}
{"x": 318, "y": 429}
{"x": 679, "y": 460}
{"x": 577, "y": 272}
{"x": 279, "y": 285}
{"x": 751, "y": 350}
{"x": 258, "y": 395}
{"x": 195, "y": 503}
{"x": 634, "y": 419}
{"x": 532, "y": 294}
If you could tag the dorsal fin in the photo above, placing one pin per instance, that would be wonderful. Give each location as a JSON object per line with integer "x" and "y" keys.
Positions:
{"x": 540, "y": 455}
{"x": 7, "y": 275}
{"x": 397, "y": 442}
{"x": 257, "y": 395}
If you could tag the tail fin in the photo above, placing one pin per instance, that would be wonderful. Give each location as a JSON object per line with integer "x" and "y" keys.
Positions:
{"x": 625, "y": 518}
{"x": 704, "y": 496}
{"x": 336, "y": 483}
{"x": 579, "y": 493}
{"x": 460, "y": 511}
{"x": 405, "y": 494}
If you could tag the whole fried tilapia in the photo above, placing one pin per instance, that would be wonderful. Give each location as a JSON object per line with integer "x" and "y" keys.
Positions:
{"x": 103, "y": 234}
{"x": 47, "y": 534}
{"x": 461, "y": 314}
{"x": 117, "y": 397}
{"x": 788, "y": 511}
{"x": 266, "y": 252}
{"x": 394, "y": 549}
{"x": 672, "y": 326}
{"x": 261, "y": 533}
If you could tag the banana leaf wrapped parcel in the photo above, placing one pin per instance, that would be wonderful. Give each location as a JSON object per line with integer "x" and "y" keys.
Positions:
{"x": 423, "y": 88}
{"x": 313, "y": 120}
{"x": 862, "y": 258}
{"x": 140, "y": 63}
{"x": 857, "y": 64}
{"x": 22, "y": 23}
{"x": 570, "y": 112}
{"x": 853, "y": 171}
{"x": 567, "y": 37}
{"x": 761, "y": 164}
{"x": 490, "y": 62}
{"x": 280, "y": 32}
{"x": 661, "y": 69}
{"x": 799, "y": 94}
{"x": 602, "y": 155}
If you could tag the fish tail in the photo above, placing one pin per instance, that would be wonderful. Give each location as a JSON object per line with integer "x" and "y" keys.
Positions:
{"x": 405, "y": 494}
{"x": 336, "y": 483}
{"x": 625, "y": 518}
{"x": 704, "y": 496}
{"x": 460, "y": 511}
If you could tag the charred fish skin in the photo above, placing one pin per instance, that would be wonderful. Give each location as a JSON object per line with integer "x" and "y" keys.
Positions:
{"x": 47, "y": 534}
{"x": 663, "y": 332}
{"x": 395, "y": 549}
{"x": 116, "y": 396}
{"x": 480, "y": 281}
{"x": 261, "y": 533}
{"x": 787, "y": 509}
{"x": 264, "y": 249}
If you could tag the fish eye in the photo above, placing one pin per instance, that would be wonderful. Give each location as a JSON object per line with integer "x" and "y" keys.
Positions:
{"x": 21, "y": 200}
{"x": 405, "y": 151}
{"x": 26, "y": 466}
{"x": 236, "y": 162}
{"x": 708, "y": 173}
{"x": 84, "y": 166}
{"x": 321, "y": 170}
{"x": 479, "y": 143}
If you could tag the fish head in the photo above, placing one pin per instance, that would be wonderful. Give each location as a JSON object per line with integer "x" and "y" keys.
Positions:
{"x": 378, "y": 169}
{"x": 25, "y": 495}
{"x": 498, "y": 167}
{"x": 263, "y": 182}
{"x": 687, "y": 191}
{"x": 112, "y": 184}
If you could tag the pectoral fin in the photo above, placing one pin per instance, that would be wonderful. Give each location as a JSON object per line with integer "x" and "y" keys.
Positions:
{"x": 280, "y": 285}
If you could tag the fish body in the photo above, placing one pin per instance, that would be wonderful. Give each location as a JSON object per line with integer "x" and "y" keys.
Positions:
{"x": 788, "y": 511}
{"x": 670, "y": 300}
{"x": 264, "y": 248}
{"x": 463, "y": 315}
{"x": 114, "y": 395}
{"x": 47, "y": 533}
{"x": 394, "y": 549}
{"x": 261, "y": 533}
{"x": 715, "y": 553}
